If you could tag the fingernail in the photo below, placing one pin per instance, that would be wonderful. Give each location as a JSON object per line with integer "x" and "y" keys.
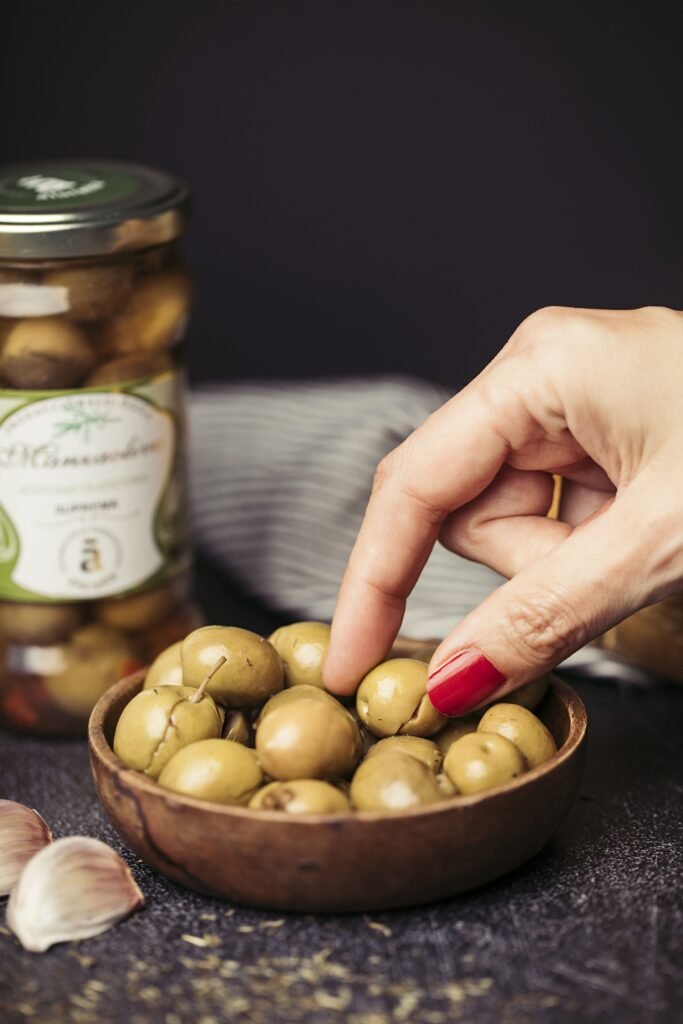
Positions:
{"x": 462, "y": 682}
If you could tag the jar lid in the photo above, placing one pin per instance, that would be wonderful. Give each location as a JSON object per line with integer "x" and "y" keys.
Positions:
{"x": 53, "y": 209}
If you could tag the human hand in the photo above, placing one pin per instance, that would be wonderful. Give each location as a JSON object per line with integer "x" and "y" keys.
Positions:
{"x": 592, "y": 395}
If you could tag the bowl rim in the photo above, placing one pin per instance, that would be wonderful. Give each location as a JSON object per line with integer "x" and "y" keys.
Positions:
{"x": 101, "y": 749}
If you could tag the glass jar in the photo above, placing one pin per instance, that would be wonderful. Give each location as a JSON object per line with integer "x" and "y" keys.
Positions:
{"x": 94, "y": 561}
{"x": 652, "y": 639}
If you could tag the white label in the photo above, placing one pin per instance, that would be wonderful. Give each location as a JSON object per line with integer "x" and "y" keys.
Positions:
{"x": 81, "y": 477}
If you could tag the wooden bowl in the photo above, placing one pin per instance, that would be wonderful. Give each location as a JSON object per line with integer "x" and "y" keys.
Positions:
{"x": 355, "y": 862}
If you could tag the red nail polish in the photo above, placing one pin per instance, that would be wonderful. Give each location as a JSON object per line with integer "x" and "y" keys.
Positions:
{"x": 462, "y": 682}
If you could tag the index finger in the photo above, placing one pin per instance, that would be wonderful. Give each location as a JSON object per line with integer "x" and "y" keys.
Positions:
{"x": 445, "y": 463}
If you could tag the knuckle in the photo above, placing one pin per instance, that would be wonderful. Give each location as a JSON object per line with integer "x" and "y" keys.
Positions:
{"x": 545, "y": 326}
{"x": 542, "y": 628}
{"x": 460, "y": 534}
{"x": 386, "y": 469}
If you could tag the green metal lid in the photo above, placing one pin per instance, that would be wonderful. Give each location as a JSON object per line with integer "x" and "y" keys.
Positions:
{"x": 52, "y": 209}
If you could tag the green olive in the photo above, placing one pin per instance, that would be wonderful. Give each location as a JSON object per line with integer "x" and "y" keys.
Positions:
{"x": 45, "y": 353}
{"x": 392, "y": 699}
{"x": 521, "y": 727}
{"x": 38, "y": 624}
{"x": 217, "y": 770}
{"x": 456, "y": 728}
{"x": 94, "y": 292}
{"x": 300, "y": 796}
{"x": 482, "y": 760}
{"x": 308, "y": 739}
{"x": 446, "y": 787}
{"x": 139, "y": 612}
{"x": 303, "y": 649}
{"x": 425, "y": 751}
{"x": 252, "y": 671}
{"x": 94, "y": 659}
{"x": 293, "y": 693}
{"x": 530, "y": 695}
{"x": 157, "y": 723}
{"x": 394, "y": 782}
{"x": 166, "y": 669}
{"x": 127, "y": 368}
{"x": 155, "y": 315}
{"x": 237, "y": 728}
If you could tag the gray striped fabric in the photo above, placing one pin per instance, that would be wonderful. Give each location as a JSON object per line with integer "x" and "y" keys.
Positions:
{"x": 280, "y": 476}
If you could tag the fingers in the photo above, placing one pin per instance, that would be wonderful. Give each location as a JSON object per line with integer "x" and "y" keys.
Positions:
{"x": 416, "y": 487}
{"x": 506, "y": 526}
{"x": 601, "y": 572}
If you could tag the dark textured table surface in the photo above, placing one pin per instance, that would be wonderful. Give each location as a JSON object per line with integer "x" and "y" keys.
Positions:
{"x": 588, "y": 931}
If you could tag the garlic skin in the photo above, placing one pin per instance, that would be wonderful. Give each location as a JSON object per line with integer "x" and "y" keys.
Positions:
{"x": 73, "y": 889}
{"x": 22, "y": 834}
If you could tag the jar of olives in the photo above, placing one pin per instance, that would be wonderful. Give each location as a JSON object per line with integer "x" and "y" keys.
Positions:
{"x": 94, "y": 305}
{"x": 652, "y": 639}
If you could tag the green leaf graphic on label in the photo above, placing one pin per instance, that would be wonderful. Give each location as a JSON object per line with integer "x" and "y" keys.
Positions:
{"x": 9, "y": 542}
{"x": 82, "y": 422}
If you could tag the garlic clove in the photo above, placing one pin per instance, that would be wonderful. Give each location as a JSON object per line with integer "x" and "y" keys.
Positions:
{"x": 22, "y": 834}
{"x": 73, "y": 889}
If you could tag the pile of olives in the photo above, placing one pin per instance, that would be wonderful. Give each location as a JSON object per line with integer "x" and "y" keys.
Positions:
{"x": 228, "y": 716}
{"x": 58, "y": 659}
{"x": 91, "y": 323}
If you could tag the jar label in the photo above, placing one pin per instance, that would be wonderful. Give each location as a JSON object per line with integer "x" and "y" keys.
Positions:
{"x": 91, "y": 490}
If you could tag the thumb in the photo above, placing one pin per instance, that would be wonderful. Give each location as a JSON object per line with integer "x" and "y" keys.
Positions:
{"x": 605, "y": 569}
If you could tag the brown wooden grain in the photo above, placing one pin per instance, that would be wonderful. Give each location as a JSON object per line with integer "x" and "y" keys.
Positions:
{"x": 356, "y": 862}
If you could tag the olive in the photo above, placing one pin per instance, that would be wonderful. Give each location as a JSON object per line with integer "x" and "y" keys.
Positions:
{"x": 237, "y": 728}
{"x": 139, "y": 612}
{"x": 303, "y": 649}
{"x": 300, "y": 796}
{"x": 45, "y": 353}
{"x": 252, "y": 671}
{"x": 127, "y": 368}
{"x": 394, "y": 782}
{"x": 456, "y": 728}
{"x": 38, "y": 624}
{"x": 446, "y": 787}
{"x": 155, "y": 315}
{"x": 530, "y": 695}
{"x": 217, "y": 770}
{"x": 308, "y": 739}
{"x": 392, "y": 699}
{"x": 157, "y": 723}
{"x": 425, "y": 751}
{"x": 297, "y": 693}
{"x": 482, "y": 760}
{"x": 94, "y": 292}
{"x": 521, "y": 727}
{"x": 166, "y": 669}
{"x": 94, "y": 659}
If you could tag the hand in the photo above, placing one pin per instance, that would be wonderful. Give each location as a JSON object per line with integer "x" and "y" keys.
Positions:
{"x": 593, "y": 395}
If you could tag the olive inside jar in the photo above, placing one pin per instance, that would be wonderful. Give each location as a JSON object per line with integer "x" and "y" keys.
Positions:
{"x": 94, "y": 559}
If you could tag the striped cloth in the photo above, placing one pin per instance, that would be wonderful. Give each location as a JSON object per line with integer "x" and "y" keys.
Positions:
{"x": 280, "y": 476}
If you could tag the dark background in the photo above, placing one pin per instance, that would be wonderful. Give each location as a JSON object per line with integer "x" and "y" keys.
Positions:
{"x": 380, "y": 187}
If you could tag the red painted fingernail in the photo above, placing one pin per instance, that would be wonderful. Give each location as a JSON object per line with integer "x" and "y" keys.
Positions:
{"x": 462, "y": 682}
